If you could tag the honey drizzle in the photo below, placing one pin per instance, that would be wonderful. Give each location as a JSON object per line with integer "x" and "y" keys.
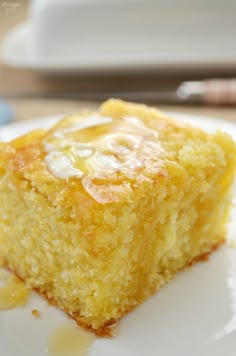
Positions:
{"x": 3, "y": 274}
{"x": 13, "y": 293}
{"x": 100, "y": 145}
{"x": 70, "y": 340}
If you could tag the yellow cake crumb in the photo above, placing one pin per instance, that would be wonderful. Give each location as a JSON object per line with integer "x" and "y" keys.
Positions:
{"x": 36, "y": 313}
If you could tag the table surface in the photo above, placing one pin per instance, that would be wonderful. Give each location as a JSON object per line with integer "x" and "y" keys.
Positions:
{"x": 20, "y": 83}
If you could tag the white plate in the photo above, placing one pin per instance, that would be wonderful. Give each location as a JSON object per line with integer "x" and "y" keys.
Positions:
{"x": 193, "y": 315}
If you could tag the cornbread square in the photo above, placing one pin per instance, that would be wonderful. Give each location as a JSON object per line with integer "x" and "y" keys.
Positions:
{"x": 100, "y": 211}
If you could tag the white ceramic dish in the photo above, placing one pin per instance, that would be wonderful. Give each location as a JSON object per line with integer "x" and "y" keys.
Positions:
{"x": 172, "y": 40}
{"x": 194, "y": 315}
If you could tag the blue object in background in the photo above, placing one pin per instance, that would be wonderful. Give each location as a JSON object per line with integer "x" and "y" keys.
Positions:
{"x": 6, "y": 113}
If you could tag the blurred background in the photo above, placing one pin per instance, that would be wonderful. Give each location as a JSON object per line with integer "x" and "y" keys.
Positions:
{"x": 60, "y": 56}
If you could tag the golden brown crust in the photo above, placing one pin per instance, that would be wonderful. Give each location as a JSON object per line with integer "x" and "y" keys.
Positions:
{"x": 205, "y": 256}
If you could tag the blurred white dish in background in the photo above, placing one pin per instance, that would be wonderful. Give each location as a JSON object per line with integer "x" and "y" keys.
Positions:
{"x": 102, "y": 35}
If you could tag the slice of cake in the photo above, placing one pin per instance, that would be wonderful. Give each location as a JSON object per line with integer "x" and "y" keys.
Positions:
{"x": 104, "y": 208}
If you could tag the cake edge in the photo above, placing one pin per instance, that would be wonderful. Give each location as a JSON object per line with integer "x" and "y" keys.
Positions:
{"x": 106, "y": 329}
